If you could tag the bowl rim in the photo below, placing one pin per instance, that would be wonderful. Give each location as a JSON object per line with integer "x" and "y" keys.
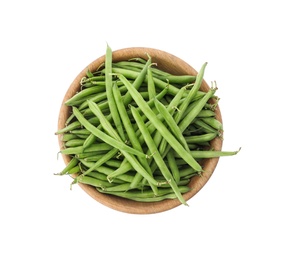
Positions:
{"x": 181, "y": 67}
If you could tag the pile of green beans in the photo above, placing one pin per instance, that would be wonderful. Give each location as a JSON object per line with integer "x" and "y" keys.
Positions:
{"x": 138, "y": 132}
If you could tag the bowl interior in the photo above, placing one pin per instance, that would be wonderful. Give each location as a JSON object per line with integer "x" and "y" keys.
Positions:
{"x": 169, "y": 63}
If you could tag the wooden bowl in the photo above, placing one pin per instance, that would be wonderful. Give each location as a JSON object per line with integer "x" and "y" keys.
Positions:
{"x": 168, "y": 63}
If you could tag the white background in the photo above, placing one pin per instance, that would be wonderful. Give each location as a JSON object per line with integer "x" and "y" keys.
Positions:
{"x": 237, "y": 215}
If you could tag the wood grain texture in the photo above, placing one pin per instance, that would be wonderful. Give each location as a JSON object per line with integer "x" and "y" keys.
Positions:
{"x": 169, "y": 63}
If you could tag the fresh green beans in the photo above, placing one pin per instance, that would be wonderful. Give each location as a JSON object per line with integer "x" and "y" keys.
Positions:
{"x": 157, "y": 156}
{"x": 106, "y": 138}
{"x": 138, "y": 132}
{"x": 159, "y": 126}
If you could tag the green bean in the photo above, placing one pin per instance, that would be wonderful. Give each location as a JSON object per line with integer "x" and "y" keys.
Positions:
{"x": 106, "y": 125}
{"x": 199, "y": 95}
{"x": 137, "y": 82}
{"x": 171, "y": 123}
{"x": 200, "y": 138}
{"x": 72, "y": 126}
{"x": 139, "y": 65}
{"x": 79, "y": 102}
{"x": 72, "y": 163}
{"x": 171, "y": 109}
{"x": 89, "y": 74}
{"x": 92, "y": 148}
{"x": 92, "y": 155}
{"x": 91, "y": 139}
{"x": 137, "y": 181}
{"x": 124, "y": 167}
{"x": 67, "y": 137}
{"x": 195, "y": 111}
{"x": 126, "y": 121}
{"x": 156, "y": 155}
{"x": 104, "y": 137}
{"x": 205, "y": 127}
{"x": 110, "y": 98}
{"x": 69, "y": 119}
{"x": 152, "y": 101}
{"x": 137, "y": 166}
{"x": 158, "y": 83}
{"x": 85, "y": 93}
{"x": 103, "y": 107}
{"x": 159, "y": 125}
{"x": 115, "y": 142}
{"x": 204, "y": 113}
{"x": 172, "y": 106}
{"x": 173, "y": 166}
{"x": 92, "y": 181}
{"x": 138, "y": 59}
{"x": 131, "y": 134}
{"x": 150, "y": 83}
{"x": 92, "y": 79}
{"x": 74, "y": 170}
{"x": 97, "y": 98}
{"x": 179, "y": 79}
{"x": 74, "y": 142}
{"x": 120, "y": 187}
{"x": 128, "y": 63}
{"x": 182, "y": 182}
{"x": 193, "y": 105}
{"x": 187, "y": 171}
{"x": 216, "y": 124}
{"x": 96, "y": 147}
{"x": 110, "y": 154}
{"x": 125, "y": 178}
{"x": 81, "y": 131}
{"x": 212, "y": 154}
{"x": 148, "y": 195}
{"x": 92, "y": 84}
{"x": 101, "y": 169}
{"x": 102, "y": 177}
{"x": 113, "y": 163}
{"x": 191, "y": 94}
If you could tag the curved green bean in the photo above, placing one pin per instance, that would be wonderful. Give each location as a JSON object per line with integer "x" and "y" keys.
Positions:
{"x": 110, "y": 98}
